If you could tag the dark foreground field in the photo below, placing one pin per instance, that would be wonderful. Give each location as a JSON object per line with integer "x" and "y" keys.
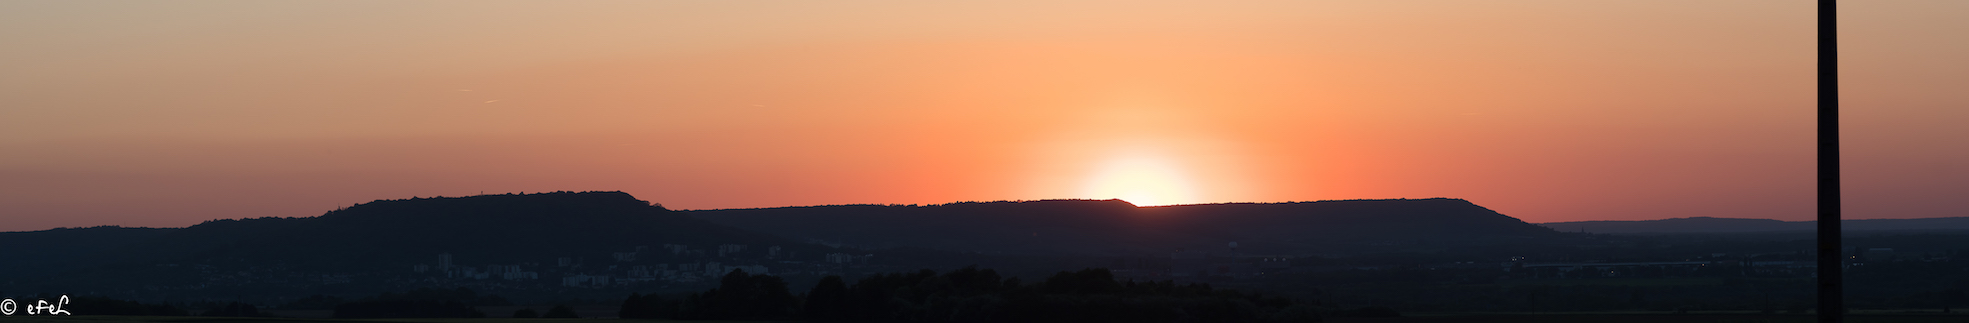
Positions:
{"x": 1425, "y": 318}
{"x": 181, "y": 319}
{"x": 1651, "y": 317}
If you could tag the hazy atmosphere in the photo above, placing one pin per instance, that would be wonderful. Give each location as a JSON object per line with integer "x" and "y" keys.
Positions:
{"x": 166, "y": 114}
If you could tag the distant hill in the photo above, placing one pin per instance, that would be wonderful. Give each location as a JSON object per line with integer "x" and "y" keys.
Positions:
{"x": 1728, "y": 225}
{"x": 388, "y": 235}
{"x": 1114, "y": 226}
{"x": 378, "y": 246}
{"x": 493, "y": 228}
{"x": 59, "y": 249}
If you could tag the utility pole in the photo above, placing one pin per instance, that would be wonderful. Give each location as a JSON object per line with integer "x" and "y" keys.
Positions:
{"x": 1832, "y": 305}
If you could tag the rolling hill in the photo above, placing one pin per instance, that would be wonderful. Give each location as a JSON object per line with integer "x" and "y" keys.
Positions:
{"x": 379, "y": 236}
{"x": 1117, "y": 227}
{"x": 1738, "y": 225}
{"x": 373, "y": 247}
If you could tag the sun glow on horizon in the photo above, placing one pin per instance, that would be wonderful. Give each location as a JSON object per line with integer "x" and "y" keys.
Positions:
{"x": 1143, "y": 181}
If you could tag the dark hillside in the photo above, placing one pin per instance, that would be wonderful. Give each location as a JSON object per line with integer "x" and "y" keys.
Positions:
{"x": 1025, "y": 227}
{"x": 1370, "y": 222}
{"x": 1738, "y": 225}
{"x": 1113, "y": 226}
{"x": 47, "y": 251}
{"x": 493, "y": 228}
{"x": 381, "y": 238}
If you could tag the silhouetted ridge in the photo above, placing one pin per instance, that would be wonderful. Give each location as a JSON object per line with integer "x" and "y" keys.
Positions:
{"x": 1104, "y": 226}
{"x": 1366, "y": 220}
{"x": 1703, "y": 224}
{"x": 487, "y": 229}
{"x": 60, "y": 249}
{"x": 556, "y": 206}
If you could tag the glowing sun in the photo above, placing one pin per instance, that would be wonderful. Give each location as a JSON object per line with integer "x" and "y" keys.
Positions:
{"x": 1140, "y": 180}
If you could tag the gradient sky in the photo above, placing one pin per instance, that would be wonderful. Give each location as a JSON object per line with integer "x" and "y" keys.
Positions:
{"x": 171, "y": 113}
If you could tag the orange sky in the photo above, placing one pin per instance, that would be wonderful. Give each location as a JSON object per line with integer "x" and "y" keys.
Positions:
{"x": 172, "y": 113}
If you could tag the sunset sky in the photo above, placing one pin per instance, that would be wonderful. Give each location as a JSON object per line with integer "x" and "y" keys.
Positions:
{"x": 166, "y": 114}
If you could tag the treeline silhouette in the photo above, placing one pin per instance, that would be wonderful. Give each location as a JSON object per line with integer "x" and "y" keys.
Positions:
{"x": 971, "y": 295}
{"x": 558, "y": 312}
{"x": 738, "y": 296}
{"x": 234, "y": 309}
{"x": 421, "y": 303}
{"x": 406, "y": 309}
{"x": 106, "y": 306}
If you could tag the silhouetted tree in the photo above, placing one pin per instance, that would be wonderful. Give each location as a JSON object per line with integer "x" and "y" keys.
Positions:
{"x": 1091, "y": 295}
{"x": 561, "y": 312}
{"x": 1370, "y": 311}
{"x": 828, "y": 301}
{"x": 745, "y": 296}
{"x": 632, "y": 308}
{"x": 233, "y": 309}
{"x": 420, "y": 303}
{"x": 314, "y": 302}
{"x": 650, "y": 306}
{"x": 105, "y": 306}
{"x": 406, "y": 309}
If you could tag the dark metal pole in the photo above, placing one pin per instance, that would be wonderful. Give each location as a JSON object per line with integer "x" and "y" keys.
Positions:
{"x": 1832, "y": 305}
